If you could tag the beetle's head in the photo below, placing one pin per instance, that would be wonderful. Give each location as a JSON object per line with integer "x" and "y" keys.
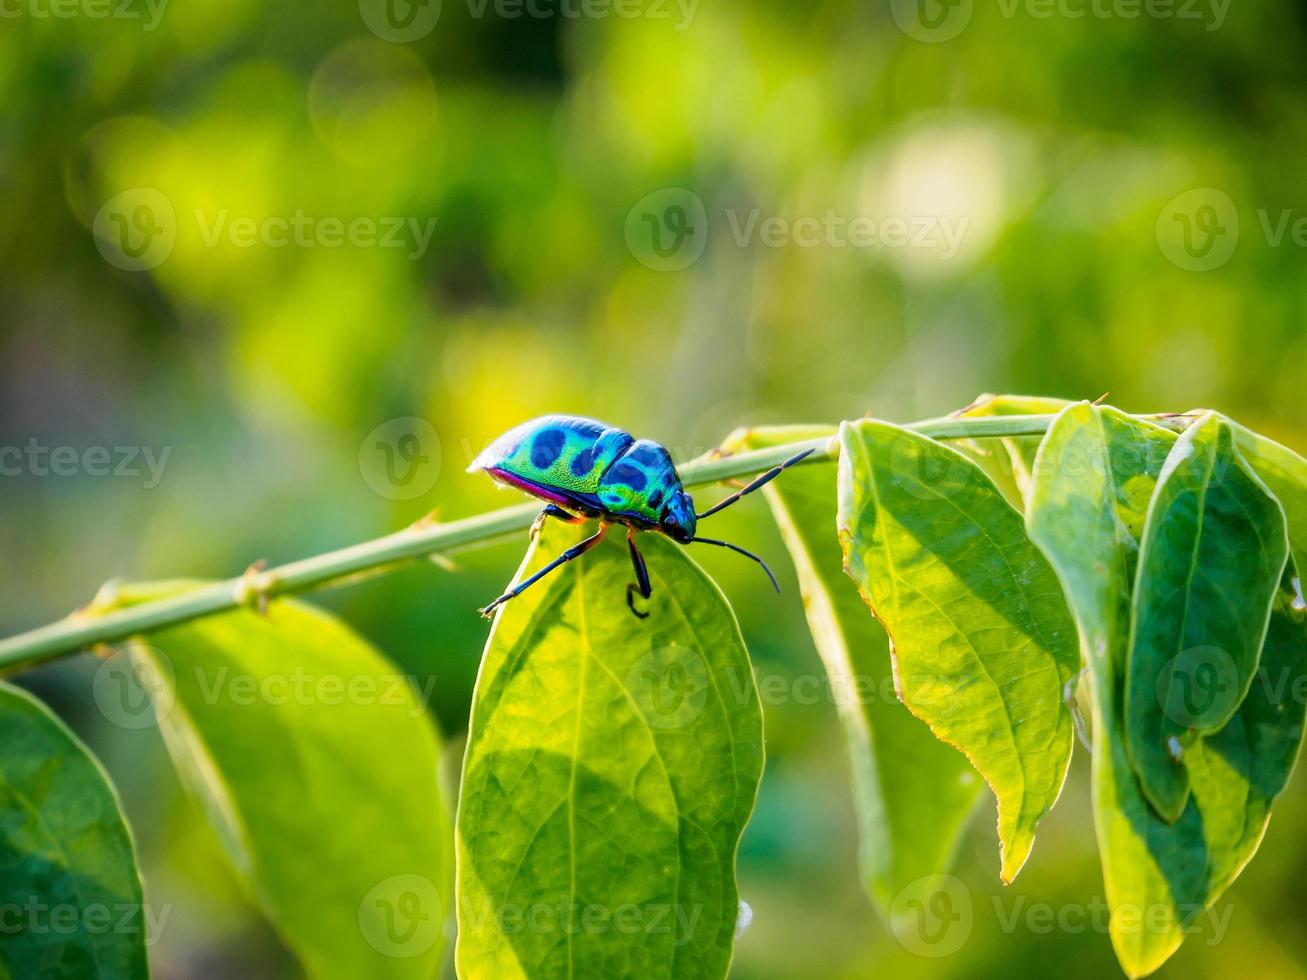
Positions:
{"x": 678, "y": 521}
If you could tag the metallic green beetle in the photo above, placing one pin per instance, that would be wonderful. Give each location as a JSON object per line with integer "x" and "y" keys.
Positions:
{"x": 585, "y": 469}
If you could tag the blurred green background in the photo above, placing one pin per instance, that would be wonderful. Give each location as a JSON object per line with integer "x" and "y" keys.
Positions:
{"x": 309, "y": 258}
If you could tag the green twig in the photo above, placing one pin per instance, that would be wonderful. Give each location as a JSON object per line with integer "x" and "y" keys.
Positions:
{"x": 425, "y": 538}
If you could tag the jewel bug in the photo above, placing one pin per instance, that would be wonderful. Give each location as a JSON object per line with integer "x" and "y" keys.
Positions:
{"x": 586, "y": 470}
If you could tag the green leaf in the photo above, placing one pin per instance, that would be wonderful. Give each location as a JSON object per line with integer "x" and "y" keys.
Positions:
{"x": 982, "y": 638}
{"x": 912, "y": 792}
{"x": 1093, "y": 479}
{"x": 1237, "y": 772}
{"x": 611, "y": 766}
{"x": 318, "y": 766}
{"x": 1018, "y": 450}
{"x": 1210, "y": 561}
{"x": 1285, "y": 474}
{"x": 70, "y": 894}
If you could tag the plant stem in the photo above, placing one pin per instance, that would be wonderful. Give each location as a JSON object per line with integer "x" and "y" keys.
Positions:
{"x": 426, "y": 538}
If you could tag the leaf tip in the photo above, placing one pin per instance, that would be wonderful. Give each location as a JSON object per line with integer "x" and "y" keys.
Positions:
{"x": 1012, "y": 856}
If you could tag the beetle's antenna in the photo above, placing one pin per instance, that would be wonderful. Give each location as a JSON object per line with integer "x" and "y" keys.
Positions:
{"x": 767, "y": 477}
{"x": 747, "y": 554}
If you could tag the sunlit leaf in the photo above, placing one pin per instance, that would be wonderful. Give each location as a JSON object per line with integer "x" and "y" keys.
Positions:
{"x": 1237, "y": 772}
{"x": 1285, "y": 474}
{"x": 1093, "y": 479}
{"x": 1210, "y": 561}
{"x": 913, "y": 793}
{"x": 982, "y": 639}
{"x": 318, "y": 766}
{"x": 70, "y": 894}
{"x": 611, "y": 766}
{"x": 1009, "y": 461}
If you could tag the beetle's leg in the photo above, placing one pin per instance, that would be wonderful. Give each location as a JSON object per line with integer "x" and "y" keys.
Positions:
{"x": 641, "y": 583}
{"x": 548, "y": 511}
{"x": 767, "y": 477}
{"x": 576, "y": 551}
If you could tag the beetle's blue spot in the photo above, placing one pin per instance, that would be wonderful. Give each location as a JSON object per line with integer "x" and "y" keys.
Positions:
{"x": 610, "y": 498}
{"x": 647, "y": 456}
{"x": 631, "y": 476}
{"x": 583, "y": 462}
{"x": 655, "y": 500}
{"x": 546, "y": 447}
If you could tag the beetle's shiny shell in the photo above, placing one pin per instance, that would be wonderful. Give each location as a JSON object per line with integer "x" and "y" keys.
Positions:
{"x": 586, "y": 467}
